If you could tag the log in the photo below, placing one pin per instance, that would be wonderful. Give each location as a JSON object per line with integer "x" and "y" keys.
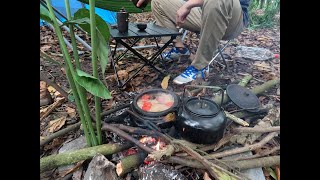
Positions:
{"x": 256, "y": 90}
{"x": 244, "y": 81}
{"x": 255, "y": 163}
{"x": 67, "y": 158}
{"x": 265, "y": 86}
{"x": 129, "y": 163}
{"x": 244, "y": 164}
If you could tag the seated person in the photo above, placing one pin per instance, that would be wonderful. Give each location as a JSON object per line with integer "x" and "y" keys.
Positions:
{"x": 215, "y": 20}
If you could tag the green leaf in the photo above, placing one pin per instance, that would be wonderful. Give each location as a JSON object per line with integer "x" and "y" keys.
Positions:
{"x": 44, "y": 14}
{"x": 102, "y": 52}
{"x": 102, "y": 26}
{"x": 92, "y": 84}
{"x": 272, "y": 173}
{"x": 77, "y": 21}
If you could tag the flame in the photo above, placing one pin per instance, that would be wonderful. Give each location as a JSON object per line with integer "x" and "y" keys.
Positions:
{"x": 158, "y": 145}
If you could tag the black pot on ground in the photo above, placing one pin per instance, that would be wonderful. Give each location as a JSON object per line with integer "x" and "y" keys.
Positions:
{"x": 163, "y": 119}
{"x": 201, "y": 120}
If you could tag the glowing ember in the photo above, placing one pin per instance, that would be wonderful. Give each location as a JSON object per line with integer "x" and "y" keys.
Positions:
{"x": 148, "y": 140}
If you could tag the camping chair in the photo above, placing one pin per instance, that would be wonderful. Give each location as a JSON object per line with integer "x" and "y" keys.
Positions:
{"x": 220, "y": 50}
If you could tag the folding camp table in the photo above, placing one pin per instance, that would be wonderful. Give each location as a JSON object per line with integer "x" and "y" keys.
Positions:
{"x": 152, "y": 31}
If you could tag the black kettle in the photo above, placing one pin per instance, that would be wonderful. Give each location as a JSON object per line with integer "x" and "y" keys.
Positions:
{"x": 201, "y": 120}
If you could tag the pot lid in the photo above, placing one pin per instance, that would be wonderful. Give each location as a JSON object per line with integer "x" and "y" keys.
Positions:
{"x": 202, "y": 107}
{"x": 243, "y": 98}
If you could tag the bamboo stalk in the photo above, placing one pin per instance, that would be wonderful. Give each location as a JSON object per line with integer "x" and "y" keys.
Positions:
{"x": 71, "y": 74}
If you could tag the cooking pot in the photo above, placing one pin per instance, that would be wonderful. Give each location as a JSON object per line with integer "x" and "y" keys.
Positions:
{"x": 163, "y": 119}
{"x": 201, "y": 120}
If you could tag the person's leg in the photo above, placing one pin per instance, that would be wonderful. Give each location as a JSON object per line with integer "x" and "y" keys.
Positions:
{"x": 221, "y": 19}
{"x": 165, "y": 11}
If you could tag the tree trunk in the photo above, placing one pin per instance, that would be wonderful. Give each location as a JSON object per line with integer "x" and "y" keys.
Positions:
{"x": 128, "y": 163}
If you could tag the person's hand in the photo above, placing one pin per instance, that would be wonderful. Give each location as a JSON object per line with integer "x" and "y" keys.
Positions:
{"x": 140, "y": 2}
{"x": 182, "y": 14}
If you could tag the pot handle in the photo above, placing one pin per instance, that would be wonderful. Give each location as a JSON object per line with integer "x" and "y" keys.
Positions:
{"x": 200, "y": 86}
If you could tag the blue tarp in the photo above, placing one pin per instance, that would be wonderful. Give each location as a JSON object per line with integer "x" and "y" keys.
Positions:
{"x": 106, "y": 15}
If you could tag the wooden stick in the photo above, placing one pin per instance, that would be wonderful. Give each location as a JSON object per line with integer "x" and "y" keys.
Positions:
{"x": 128, "y": 163}
{"x": 265, "y": 153}
{"x": 243, "y": 149}
{"x": 52, "y": 107}
{"x": 119, "y": 132}
{"x": 245, "y": 164}
{"x": 214, "y": 170}
{"x": 59, "y": 133}
{"x": 43, "y": 77}
{"x": 236, "y": 119}
{"x": 256, "y": 130}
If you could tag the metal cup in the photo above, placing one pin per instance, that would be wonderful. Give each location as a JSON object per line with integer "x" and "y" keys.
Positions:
{"x": 123, "y": 21}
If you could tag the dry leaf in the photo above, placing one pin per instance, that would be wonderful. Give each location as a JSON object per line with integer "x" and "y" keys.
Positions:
{"x": 55, "y": 125}
{"x": 51, "y": 90}
{"x": 42, "y": 138}
{"x": 71, "y": 112}
{"x": 123, "y": 75}
{"x": 165, "y": 81}
{"x": 45, "y": 47}
{"x": 57, "y": 94}
{"x": 170, "y": 117}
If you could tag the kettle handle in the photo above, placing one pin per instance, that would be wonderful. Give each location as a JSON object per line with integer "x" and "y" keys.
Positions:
{"x": 200, "y": 86}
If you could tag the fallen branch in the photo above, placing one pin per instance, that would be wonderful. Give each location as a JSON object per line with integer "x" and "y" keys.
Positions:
{"x": 43, "y": 77}
{"x": 214, "y": 170}
{"x": 52, "y": 107}
{"x": 255, "y": 163}
{"x": 105, "y": 113}
{"x": 265, "y": 86}
{"x": 59, "y": 133}
{"x": 54, "y": 161}
{"x": 119, "y": 132}
{"x": 256, "y": 130}
{"x": 128, "y": 163}
{"x": 140, "y": 131}
{"x": 243, "y": 149}
{"x": 236, "y": 119}
{"x": 220, "y": 143}
{"x": 245, "y": 164}
{"x": 261, "y": 154}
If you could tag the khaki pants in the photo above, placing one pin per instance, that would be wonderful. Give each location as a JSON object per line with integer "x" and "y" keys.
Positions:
{"x": 216, "y": 20}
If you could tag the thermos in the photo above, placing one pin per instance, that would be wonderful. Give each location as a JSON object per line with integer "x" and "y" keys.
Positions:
{"x": 122, "y": 20}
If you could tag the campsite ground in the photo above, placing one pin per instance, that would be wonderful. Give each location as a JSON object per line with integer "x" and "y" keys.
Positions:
{"x": 262, "y": 71}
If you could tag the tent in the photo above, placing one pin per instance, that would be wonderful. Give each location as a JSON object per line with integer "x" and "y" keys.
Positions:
{"x": 108, "y": 16}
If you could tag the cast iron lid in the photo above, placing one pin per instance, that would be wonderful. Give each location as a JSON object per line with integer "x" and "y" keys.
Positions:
{"x": 202, "y": 107}
{"x": 243, "y": 98}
